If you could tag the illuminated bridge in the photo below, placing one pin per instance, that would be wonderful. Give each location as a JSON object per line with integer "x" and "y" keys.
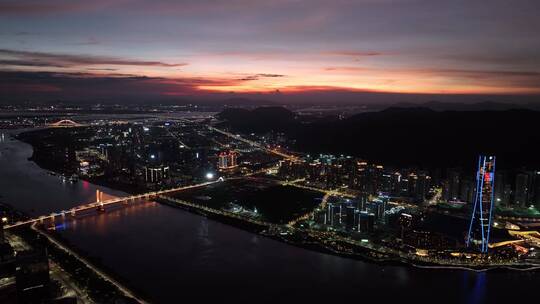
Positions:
{"x": 101, "y": 203}
{"x": 65, "y": 123}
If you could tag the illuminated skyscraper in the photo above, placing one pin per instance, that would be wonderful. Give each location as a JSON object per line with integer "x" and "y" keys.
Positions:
{"x": 227, "y": 160}
{"x": 482, "y": 213}
{"x": 156, "y": 174}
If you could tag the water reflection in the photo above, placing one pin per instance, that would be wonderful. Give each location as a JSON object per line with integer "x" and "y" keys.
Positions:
{"x": 100, "y": 221}
{"x": 474, "y": 285}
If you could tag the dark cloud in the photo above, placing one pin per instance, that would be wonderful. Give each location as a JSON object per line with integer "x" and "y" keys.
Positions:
{"x": 81, "y": 86}
{"x": 270, "y": 75}
{"x": 18, "y": 85}
{"x": 34, "y": 7}
{"x": 26, "y": 58}
{"x": 259, "y": 76}
{"x": 354, "y": 53}
{"x": 28, "y": 63}
{"x": 488, "y": 77}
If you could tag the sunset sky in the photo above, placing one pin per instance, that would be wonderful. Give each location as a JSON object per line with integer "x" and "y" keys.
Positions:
{"x": 153, "y": 49}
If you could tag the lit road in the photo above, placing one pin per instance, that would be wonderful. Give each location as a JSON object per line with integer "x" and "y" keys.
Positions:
{"x": 64, "y": 278}
{"x": 178, "y": 139}
{"x": 331, "y": 192}
{"x": 308, "y": 215}
{"x": 7, "y": 281}
{"x": 254, "y": 144}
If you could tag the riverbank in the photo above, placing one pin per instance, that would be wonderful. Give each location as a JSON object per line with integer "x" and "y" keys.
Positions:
{"x": 343, "y": 248}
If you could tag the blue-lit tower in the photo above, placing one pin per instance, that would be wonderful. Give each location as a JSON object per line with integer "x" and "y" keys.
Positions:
{"x": 482, "y": 214}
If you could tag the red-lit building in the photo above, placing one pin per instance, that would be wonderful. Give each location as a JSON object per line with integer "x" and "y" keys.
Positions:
{"x": 227, "y": 160}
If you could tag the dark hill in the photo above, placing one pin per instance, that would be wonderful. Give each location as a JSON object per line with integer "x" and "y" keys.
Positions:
{"x": 261, "y": 119}
{"x": 421, "y": 137}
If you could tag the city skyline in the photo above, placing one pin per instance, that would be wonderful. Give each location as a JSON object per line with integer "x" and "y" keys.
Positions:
{"x": 338, "y": 51}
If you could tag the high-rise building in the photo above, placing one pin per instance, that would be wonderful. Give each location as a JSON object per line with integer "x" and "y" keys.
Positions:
{"x": 356, "y": 224}
{"x": 536, "y": 189}
{"x": 366, "y": 221}
{"x": 32, "y": 276}
{"x": 396, "y": 184}
{"x": 156, "y": 174}
{"x": 507, "y": 194}
{"x": 363, "y": 221}
{"x": 499, "y": 189}
{"x": 227, "y": 160}
{"x": 521, "y": 193}
{"x": 466, "y": 191}
{"x": 337, "y": 215}
{"x": 454, "y": 180}
{"x": 422, "y": 186}
{"x": 378, "y": 207}
{"x": 371, "y": 222}
{"x": 405, "y": 221}
{"x": 480, "y": 224}
{"x": 362, "y": 201}
{"x": 349, "y": 217}
{"x": 413, "y": 183}
{"x": 329, "y": 214}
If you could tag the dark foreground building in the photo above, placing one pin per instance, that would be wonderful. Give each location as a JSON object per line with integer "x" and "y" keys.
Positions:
{"x": 32, "y": 276}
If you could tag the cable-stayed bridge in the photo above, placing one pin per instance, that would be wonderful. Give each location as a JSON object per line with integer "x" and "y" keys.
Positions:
{"x": 103, "y": 200}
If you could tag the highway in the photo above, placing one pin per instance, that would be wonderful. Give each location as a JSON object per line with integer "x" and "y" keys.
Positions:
{"x": 331, "y": 192}
{"x": 254, "y": 144}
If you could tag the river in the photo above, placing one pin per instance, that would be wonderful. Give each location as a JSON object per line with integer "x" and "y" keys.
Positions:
{"x": 174, "y": 256}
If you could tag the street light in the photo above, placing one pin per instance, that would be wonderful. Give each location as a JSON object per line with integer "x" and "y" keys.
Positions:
{"x": 209, "y": 175}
